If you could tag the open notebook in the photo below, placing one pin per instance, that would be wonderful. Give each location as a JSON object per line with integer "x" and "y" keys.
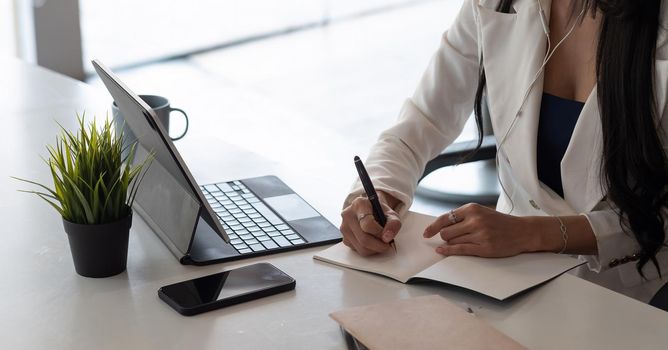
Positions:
{"x": 499, "y": 278}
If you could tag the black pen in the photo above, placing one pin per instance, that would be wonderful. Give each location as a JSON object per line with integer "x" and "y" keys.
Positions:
{"x": 372, "y": 195}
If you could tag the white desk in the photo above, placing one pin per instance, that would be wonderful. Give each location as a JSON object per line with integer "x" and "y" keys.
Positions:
{"x": 45, "y": 304}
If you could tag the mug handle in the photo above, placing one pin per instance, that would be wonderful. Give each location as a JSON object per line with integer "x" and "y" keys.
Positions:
{"x": 187, "y": 123}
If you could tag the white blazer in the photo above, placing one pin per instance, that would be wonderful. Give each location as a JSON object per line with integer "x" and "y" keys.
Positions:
{"x": 513, "y": 47}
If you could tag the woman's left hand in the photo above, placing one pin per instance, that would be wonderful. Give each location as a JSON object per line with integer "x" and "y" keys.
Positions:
{"x": 480, "y": 231}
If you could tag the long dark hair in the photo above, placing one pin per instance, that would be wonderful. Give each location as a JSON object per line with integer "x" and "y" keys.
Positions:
{"x": 634, "y": 166}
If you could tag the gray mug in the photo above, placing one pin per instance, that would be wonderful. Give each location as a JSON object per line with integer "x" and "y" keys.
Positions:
{"x": 162, "y": 110}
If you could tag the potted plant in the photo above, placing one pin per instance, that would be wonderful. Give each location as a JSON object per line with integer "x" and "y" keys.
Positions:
{"x": 94, "y": 186}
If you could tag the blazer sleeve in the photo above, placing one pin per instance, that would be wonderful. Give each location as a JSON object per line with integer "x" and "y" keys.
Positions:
{"x": 434, "y": 116}
{"x": 618, "y": 248}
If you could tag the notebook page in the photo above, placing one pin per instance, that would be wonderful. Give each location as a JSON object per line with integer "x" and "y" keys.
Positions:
{"x": 414, "y": 253}
{"x": 499, "y": 278}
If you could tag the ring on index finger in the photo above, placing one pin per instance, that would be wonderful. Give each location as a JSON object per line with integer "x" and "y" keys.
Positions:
{"x": 361, "y": 217}
{"x": 453, "y": 217}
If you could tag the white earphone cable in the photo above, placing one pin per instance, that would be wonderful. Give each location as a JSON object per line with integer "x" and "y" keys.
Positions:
{"x": 548, "y": 55}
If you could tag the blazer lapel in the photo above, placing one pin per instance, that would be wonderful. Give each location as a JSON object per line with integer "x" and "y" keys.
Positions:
{"x": 581, "y": 164}
{"x": 513, "y": 48}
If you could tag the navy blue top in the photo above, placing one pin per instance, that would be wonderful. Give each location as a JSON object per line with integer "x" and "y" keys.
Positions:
{"x": 555, "y": 128}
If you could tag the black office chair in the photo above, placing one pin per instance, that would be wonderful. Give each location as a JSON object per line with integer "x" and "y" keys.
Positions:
{"x": 460, "y": 153}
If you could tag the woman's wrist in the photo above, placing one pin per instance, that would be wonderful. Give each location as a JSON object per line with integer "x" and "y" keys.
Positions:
{"x": 543, "y": 234}
{"x": 548, "y": 236}
{"x": 389, "y": 199}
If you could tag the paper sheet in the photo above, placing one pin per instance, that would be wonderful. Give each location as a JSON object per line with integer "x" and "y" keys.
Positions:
{"x": 429, "y": 322}
{"x": 499, "y": 278}
{"x": 414, "y": 253}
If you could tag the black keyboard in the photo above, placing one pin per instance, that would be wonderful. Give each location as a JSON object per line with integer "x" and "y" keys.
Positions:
{"x": 250, "y": 224}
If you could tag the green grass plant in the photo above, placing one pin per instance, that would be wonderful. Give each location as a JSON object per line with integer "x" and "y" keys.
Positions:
{"x": 94, "y": 179}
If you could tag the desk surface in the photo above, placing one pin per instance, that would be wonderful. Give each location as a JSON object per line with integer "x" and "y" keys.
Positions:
{"x": 45, "y": 304}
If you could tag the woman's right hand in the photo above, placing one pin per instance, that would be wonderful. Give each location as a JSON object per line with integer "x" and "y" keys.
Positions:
{"x": 360, "y": 230}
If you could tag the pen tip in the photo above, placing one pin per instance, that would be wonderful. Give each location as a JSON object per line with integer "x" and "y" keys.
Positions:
{"x": 357, "y": 159}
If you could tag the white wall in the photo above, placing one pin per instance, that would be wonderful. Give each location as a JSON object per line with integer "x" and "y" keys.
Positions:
{"x": 7, "y": 28}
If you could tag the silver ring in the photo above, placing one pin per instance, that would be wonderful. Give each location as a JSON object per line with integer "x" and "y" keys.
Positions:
{"x": 361, "y": 217}
{"x": 452, "y": 217}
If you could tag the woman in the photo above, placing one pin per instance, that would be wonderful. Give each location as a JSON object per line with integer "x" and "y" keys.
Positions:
{"x": 577, "y": 93}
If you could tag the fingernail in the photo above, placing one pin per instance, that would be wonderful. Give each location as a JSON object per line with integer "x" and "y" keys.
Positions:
{"x": 388, "y": 236}
{"x": 424, "y": 234}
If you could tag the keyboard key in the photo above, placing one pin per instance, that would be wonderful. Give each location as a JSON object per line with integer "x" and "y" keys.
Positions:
{"x": 263, "y": 238}
{"x": 230, "y": 206}
{"x": 239, "y": 246}
{"x": 244, "y": 219}
{"x": 252, "y": 241}
{"x": 298, "y": 241}
{"x": 246, "y": 237}
{"x": 274, "y": 233}
{"x": 250, "y": 225}
{"x": 253, "y": 200}
{"x": 257, "y": 247}
{"x": 245, "y": 207}
{"x": 292, "y": 237}
{"x": 282, "y": 241}
{"x": 282, "y": 227}
{"x": 224, "y": 187}
{"x": 253, "y": 214}
{"x": 270, "y": 244}
{"x": 244, "y": 251}
{"x": 287, "y": 232}
{"x": 211, "y": 188}
{"x": 264, "y": 224}
{"x": 258, "y": 233}
{"x": 247, "y": 195}
{"x": 254, "y": 228}
{"x": 236, "y": 241}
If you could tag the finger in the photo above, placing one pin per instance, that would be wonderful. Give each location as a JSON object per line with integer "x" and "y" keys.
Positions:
{"x": 364, "y": 213}
{"x": 392, "y": 226}
{"x": 455, "y": 230}
{"x": 465, "y": 249}
{"x": 350, "y": 241}
{"x": 441, "y": 222}
{"x": 365, "y": 240}
{"x": 473, "y": 238}
{"x": 370, "y": 225}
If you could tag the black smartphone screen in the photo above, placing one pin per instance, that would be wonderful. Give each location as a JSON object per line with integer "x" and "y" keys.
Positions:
{"x": 243, "y": 284}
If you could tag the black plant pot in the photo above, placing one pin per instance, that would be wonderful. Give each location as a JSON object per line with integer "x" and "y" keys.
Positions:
{"x": 99, "y": 250}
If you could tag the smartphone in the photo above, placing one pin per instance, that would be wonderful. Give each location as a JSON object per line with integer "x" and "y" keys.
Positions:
{"x": 226, "y": 288}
